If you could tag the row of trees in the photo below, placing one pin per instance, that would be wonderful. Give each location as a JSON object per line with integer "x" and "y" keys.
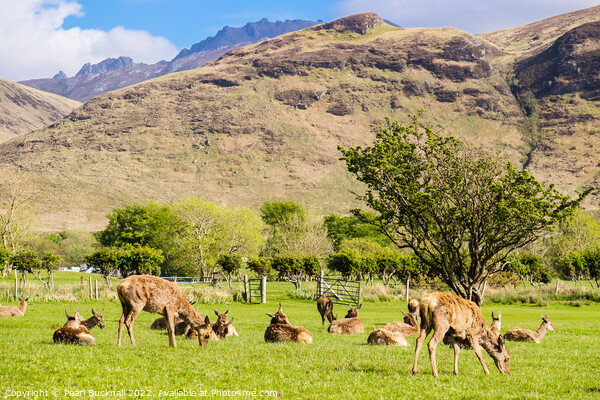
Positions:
{"x": 438, "y": 209}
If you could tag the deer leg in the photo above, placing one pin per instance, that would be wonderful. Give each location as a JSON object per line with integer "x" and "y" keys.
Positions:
{"x": 129, "y": 320}
{"x": 170, "y": 318}
{"x": 477, "y": 350}
{"x": 420, "y": 340}
{"x": 438, "y": 336}
{"x": 456, "y": 351}
{"x": 126, "y": 311}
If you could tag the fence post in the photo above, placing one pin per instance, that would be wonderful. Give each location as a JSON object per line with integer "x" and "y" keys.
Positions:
{"x": 16, "y": 286}
{"x": 263, "y": 289}
{"x": 91, "y": 296}
{"x": 246, "y": 289}
{"x": 96, "y": 285}
{"x": 556, "y": 290}
{"x": 320, "y": 283}
{"x": 407, "y": 288}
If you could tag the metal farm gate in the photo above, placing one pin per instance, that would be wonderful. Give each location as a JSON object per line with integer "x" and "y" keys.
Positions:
{"x": 257, "y": 290}
{"x": 339, "y": 290}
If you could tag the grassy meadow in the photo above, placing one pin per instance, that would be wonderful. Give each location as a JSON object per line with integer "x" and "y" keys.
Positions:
{"x": 566, "y": 365}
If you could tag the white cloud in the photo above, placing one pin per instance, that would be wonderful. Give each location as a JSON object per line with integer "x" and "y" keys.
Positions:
{"x": 474, "y": 16}
{"x": 33, "y": 43}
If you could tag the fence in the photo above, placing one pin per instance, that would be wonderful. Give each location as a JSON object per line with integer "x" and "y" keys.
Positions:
{"x": 339, "y": 290}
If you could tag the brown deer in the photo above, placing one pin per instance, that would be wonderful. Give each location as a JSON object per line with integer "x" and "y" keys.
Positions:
{"x": 14, "y": 311}
{"x": 528, "y": 335}
{"x": 95, "y": 320}
{"x": 157, "y": 295}
{"x": 74, "y": 335}
{"x": 409, "y": 327}
{"x": 325, "y": 307}
{"x": 458, "y": 322}
{"x": 386, "y": 337}
{"x": 280, "y": 330}
{"x": 349, "y": 325}
{"x": 222, "y": 326}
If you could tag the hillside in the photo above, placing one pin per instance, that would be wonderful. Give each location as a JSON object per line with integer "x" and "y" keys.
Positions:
{"x": 112, "y": 74}
{"x": 263, "y": 122}
{"x": 23, "y": 109}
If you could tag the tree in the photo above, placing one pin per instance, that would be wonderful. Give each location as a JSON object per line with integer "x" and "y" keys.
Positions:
{"x": 462, "y": 215}
{"x": 530, "y": 268}
{"x": 260, "y": 265}
{"x": 135, "y": 260}
{"x": 107, "y": 260}
{"x": 50, "y": 263}
{"x": 296, "y": 269}
{"x": 24, "y": 261}
{"x": 230, "y": 264}
{"x": 278, "y": 213}
{"x": 352, "y": 227}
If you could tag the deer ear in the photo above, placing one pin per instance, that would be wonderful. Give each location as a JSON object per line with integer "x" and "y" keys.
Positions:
{"x": 67, "y": 314}
{"x": 271, "y": 315}
{"x": 101, "y": 312}
{"x": 359, "y": 306}
{"x": 206, "y": 320}
{"x": 227, "y": 312}
{"x": 280, "y": 307}
{"x": 94, "y": 312}
{"x": 216, "y": 312}
{"x": 230, "y": 321}
{"x": 501, "y": 340}
{"x": 77, "y": 315}
{"x": 403, "y": 313}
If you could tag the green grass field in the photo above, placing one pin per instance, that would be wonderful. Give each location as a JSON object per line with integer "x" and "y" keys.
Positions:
{"x": 566, "y": 365}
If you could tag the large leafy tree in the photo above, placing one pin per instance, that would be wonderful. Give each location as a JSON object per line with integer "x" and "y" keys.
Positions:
{"x": 462, "y": 215}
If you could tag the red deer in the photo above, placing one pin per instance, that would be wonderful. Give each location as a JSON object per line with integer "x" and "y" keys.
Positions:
{"x": 496, "y": 324}
{"x": 386, "y": 337}
{"x": 157, "y": 295}
{"x": 14, "y": 311}
{"x": 95, "y": 320}
{"x": 74, "y": 335}
{"x": 224, "y": 327}
{"x": 528, "y": 335}
{"x": 280, "y": 330}
{"x": 458, "y": 322}
{"x": 325, "y": 307}
{"x": 409, "y": 327}
{"x": 349, "y": 325}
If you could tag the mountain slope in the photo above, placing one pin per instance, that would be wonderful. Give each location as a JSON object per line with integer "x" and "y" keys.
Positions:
{"x": 23, "y": 109}
{"x": 263, "y": 122}
{"x": 112, "y": 74}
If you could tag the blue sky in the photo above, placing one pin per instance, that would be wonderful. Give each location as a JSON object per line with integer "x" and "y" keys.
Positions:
{"x": 40, "y": 37}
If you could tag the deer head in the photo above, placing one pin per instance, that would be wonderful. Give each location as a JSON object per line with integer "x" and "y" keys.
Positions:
{"x": 353, "y": 312}
{"x": 279, "y": 317}
{"x": 205, "y": 332}
{"x": 548, "y": 323}
{"x": 499, "y": 353}
{"x": 99, "y": 318}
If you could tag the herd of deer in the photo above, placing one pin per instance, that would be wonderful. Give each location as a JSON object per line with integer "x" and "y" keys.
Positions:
{"x": 455, "y": 321}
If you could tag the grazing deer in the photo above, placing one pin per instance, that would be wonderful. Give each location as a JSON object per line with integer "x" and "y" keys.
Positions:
{"x": 14, "y": 311}
{"x": 386, "y": 337}
{"x": 74, "y": 335}
{"x": 409, "y": 327}
{"x": 325, "y": 307}
{"x": 222, "y": 326}
{"x": 349, "y": 325}
{"x": 95, "y": 320}
{"x": 528, "y": 335}
{"x": 280, "y": 330}
{"x": 458, "y": 322}
{"x": 157, "y": 295}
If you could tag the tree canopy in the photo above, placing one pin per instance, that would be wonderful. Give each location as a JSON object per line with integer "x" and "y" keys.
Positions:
{"x": 461, "y": 214}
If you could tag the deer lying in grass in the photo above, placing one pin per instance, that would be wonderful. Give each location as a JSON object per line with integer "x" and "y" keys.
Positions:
{"x": 349, "y": 325}
{"x": 528, "y": 335}
{"x": 458, "y": 322}
{"x": 223, "y": 327}
{"x": 157, "y": 295}
{"x": 95, "y": 320}
{"x": 74, "y": 335}
{"x": 280, "y": 330}
{"x": 409, "y": 327}
{"x": 325, "y": 307}
{"x": 386, "y": 337}
{"x": 14, "y": 311}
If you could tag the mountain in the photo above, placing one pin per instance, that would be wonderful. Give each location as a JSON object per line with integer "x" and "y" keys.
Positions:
{"x": 111, "y": 74}
{"x": 23, "y": 109}
{"x": 263, "y": 122}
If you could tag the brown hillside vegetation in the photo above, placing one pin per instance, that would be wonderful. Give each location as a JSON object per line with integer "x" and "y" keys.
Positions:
{"x": 263, "y": 122}
{"x": 23, "y": 109}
